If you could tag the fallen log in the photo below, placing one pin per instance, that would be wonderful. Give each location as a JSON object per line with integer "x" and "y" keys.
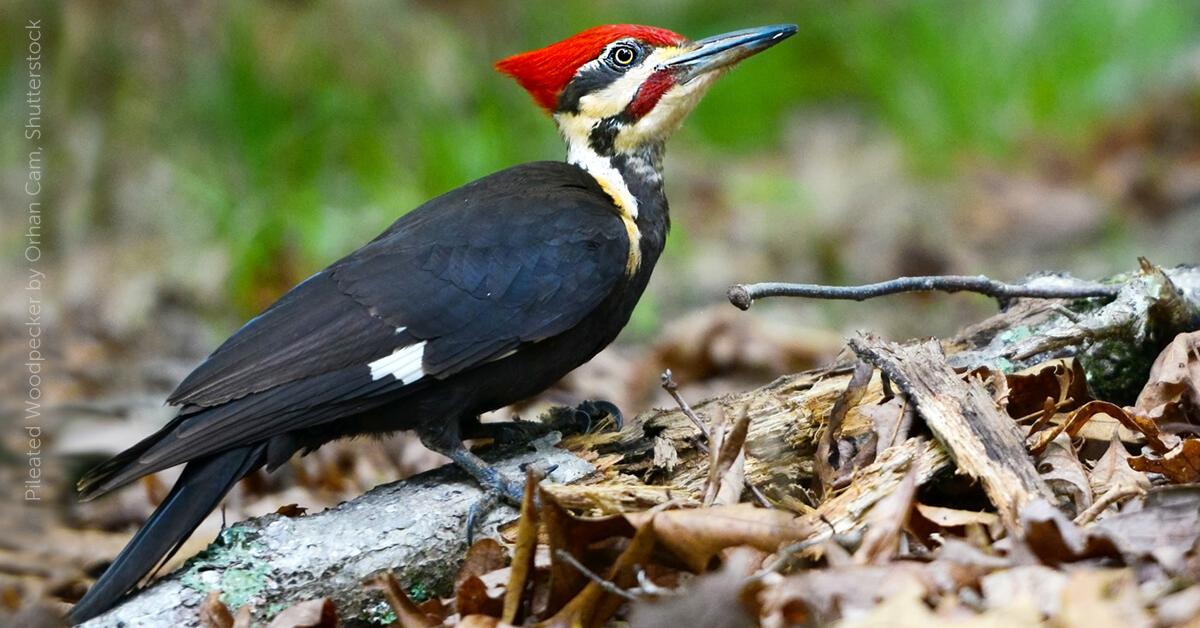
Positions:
{"x": 416, "y": 527}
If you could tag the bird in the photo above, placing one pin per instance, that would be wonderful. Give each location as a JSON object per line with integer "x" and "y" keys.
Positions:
{"x": 479, "y": 298}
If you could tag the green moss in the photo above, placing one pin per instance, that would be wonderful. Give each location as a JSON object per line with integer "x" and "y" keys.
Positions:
{"x": 234, "y": 555}
{"x": 419, "y": 592}
{"x": 1016, "y": 334}
{"x": 1117, "y": 368}
{"x": 379, "y": 613}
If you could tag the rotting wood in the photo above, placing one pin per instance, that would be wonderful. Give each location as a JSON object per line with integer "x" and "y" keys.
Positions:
{"x": 328, "y": 554}
{"x": 985, "y": 443}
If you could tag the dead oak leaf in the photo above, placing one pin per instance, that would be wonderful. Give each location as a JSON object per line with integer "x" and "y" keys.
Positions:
{"x": 1181, "y": 465}
{"x": 1174, "y": 383}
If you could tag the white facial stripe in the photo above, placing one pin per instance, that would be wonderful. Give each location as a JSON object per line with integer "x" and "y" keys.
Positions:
{"x": 665, "y": 118}
{"x": 405, "y": 364}
{"x": 615, "y": 97}
{"x": 601, "y": 169}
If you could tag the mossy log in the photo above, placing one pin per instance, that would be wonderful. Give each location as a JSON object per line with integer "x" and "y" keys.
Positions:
{"x": 416, "y": 527}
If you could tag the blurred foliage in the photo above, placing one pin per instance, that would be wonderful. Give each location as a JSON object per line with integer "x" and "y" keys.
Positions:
{"x": 293, "y": 131}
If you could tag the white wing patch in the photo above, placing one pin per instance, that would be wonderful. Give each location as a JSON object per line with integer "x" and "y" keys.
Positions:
{"x": 404, "y": 364}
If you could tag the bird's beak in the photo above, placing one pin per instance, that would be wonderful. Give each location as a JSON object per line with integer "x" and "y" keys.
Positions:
{"x": 721, "y": 51}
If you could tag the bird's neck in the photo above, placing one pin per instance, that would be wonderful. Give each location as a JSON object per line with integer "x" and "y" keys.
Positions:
{"x": 633, "y": 179}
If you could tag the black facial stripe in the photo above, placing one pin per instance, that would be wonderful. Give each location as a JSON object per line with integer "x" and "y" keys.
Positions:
{"x": 604, "y": 134}
{"x": 586, "y": 82}
{"x": 596, "y": 77}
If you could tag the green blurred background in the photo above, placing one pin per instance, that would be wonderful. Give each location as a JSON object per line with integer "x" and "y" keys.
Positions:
{"x": 216, "y": 152}
{"x": 203, "y": 156}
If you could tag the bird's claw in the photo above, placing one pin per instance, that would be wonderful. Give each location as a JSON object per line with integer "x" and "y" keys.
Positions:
{"x": 593, "y": 411}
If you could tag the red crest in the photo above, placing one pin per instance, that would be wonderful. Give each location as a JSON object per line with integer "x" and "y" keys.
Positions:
{"x": 546, "y": 71}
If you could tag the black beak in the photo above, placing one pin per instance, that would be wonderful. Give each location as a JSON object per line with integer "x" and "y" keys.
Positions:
{"x": 721, "y": 51}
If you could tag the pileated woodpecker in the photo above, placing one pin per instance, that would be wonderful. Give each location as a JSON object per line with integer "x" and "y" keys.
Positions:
{"x": 477, "y": 299}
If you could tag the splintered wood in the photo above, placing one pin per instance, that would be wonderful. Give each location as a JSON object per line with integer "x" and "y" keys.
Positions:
{"x": 984, "y": 442}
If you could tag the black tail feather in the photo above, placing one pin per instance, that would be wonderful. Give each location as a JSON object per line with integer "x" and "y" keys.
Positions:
{"x": 203, "y": 483}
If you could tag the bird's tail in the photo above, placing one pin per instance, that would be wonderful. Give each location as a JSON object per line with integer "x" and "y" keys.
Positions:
{"x": 200, "y": 488}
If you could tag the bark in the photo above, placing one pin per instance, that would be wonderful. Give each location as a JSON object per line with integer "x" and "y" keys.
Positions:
{"x": 416, "y": 527}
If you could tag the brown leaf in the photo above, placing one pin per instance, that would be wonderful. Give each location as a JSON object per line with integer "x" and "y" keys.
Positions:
{"x": 1100, "y": 598}
{"x": 886, "y": 418}
{"x": 1060, "y": 468}
{"x": 1112, "y": 469}
{"x": 1174, "y": 382}
{"x": 696, "y": 535}
{"x": 407, "y": 613}
{"x": 828, "y": 458}
{"x": 1062, "y": 381}
{"x": 1074, "y": 424}
{"x": 573, "y": 535}
{"x": 727, "y": 459}
{"x": 471, "y": 598}
{"x": 955, "y": 518}
{"x": 822, "y": 596}
{"x": 713, "y": 599}
{"x": 1180, "y": 465}
{"x": 1038, "y": 585}
{"x": 885, "y": 521}
{"x": 520, "y": 580}
{"x": 319, "y": 613}
{"x": 1055, "y": 539}
{"x": 593, "y": 606}
{"x": 1168, "y": 521}
{"x": 485, "y": 556}
{"x": 476, "y": 621}
{"x": 214, "y": 613}
{"x": 291, "y": 510}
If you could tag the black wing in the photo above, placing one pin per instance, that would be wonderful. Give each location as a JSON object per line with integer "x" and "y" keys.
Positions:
{"x": 516, "y": 257}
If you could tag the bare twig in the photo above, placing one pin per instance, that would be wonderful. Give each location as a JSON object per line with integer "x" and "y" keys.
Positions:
{"x": 669, "y": 385}
{"x": 607, "y": 585}
{"x": 1111, "y": 496}
{"x": 744, "y": 295}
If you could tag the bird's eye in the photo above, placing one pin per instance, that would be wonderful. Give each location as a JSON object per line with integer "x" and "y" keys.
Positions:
{"x": 623, "y": 55}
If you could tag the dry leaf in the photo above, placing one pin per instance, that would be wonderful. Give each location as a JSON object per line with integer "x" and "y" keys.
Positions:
{"x": 1102, "y": 598}
{"x": 407, "y": 613}
{"x": 1080, "y": 417}
{"x": 214, "y": 613}
{"x": 471, "y": 597}
{"x": 1112, "y": 469}
{"x": 713, "y": 599}
{"x": 727, "y": 460}
{"x": 520, "y": 579}
{"x": 955, "y": 518}
{"x": 885, "y": 522}
{"x": 476, "y": 621}
{"x": 485, "y": 556}
{"x": 1169, "y": 520}
{"x": 319, "y": 613}
{"x": 1062, "y": 381}
{"x": 1180, "y": 465}
{"x": 696, "y": 535}
{"x": 886, "y": 418}
{"x": 1055, "y": 539}
{"x": 593, "y": 606}
{"x": 828, "y": 457}
{"x": 1026, "y": 585}
{"x": 1174, "y": 383}
{"x": 1062, "y": 471}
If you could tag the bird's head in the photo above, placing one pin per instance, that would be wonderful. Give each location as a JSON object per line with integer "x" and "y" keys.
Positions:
{"x": 621, "y": 88}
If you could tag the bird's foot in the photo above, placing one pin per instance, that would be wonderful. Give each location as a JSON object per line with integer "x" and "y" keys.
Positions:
{"x": 497, "y": 487}
{"x": 507, "y": 433}
{"x": 586, "y": 417}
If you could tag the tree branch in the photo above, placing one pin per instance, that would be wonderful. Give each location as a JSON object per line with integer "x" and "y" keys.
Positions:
{"x": 744, "y": 295}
